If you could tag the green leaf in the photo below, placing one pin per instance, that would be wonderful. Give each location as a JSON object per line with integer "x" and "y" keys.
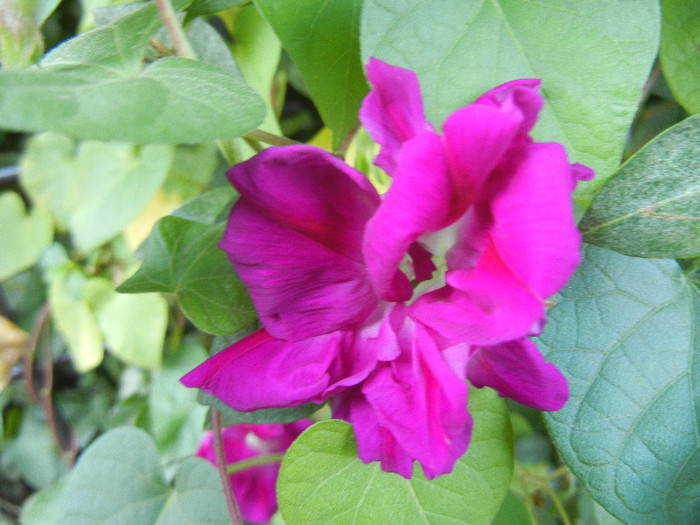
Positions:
{"x": 593, "y": 57}
{"x": 23, "y": 235}
{"x": 172, "y": 100}
{"x": 94, "y": 189}
{"x": 624, "y": 333}
{"x": 133, "y": 326}
{"x": 679, "y": 54}
{"x": 175, "y": 417}
{"x": 322, "y": 39}
{"x": 43, "y": 507}
{"x": 74, "y": 319}
{"x": 229, "y": 416}
{"x": 32, "y": 453}
{"x": 119, "y": 480}
{"x": 21, "y": 42}
{"x": 651, "y": 206}
{"x": 323, "y": 481}
{"x": 181, "y": 257}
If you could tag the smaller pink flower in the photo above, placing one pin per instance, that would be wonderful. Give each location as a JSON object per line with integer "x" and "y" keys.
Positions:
{"x": 254, "y": 486}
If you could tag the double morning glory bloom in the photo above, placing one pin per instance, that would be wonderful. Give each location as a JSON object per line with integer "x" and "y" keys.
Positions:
{"x": 386, "y": 305}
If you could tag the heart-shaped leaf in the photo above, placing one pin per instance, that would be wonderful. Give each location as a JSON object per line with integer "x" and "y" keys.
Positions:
{"x": 181, "y": 257}
{"x": 651, "y": 206}
{"x": 593, "y": 57}
{"x": 23, "y": 235}
{"x": 323, "y": 464}
{"x": 625, "y": 333}
{"x": 94, "y": 189}
{"x": 119, "y": 481}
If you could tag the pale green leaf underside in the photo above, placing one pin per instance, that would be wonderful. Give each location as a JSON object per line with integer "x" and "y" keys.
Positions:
{"x": 651, "y": 206}
{"x": 119, "y": 481}
{"x": 323, "y": 464}
{"x": 624, "y": 333}
{"x": 592, "y": 56}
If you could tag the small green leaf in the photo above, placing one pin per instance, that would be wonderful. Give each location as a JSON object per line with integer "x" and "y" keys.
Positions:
{"x": 593, "y": 58}
{"x": 181, "y": 257}
{"x": 74, "y": 319}
{"x": 94, "y": 189}
{"x": 119, "y": 480}
{"x": 651, "y": 206}
{"x": 229, "y": 416}
{"x": 322, "y": 39}
{"x": 679, "y": 53}
{"x": 133, "y": 326}
{"x": 23, "y": 236}
{"x": 323, "y": 464}
{"x": 624, "y": 333}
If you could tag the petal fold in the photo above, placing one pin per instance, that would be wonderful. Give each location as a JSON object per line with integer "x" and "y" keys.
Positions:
{"x": 392, "y": 113}
{"x": 516, "y": 369}
{"x": 297, "y": 247}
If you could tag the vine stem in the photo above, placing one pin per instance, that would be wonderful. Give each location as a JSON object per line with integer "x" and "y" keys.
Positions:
{"x": 233, "y": 509}
{"x": 172, "y": 24}
{"x": 269, "y": 138}
{"x": 252, "y": 462}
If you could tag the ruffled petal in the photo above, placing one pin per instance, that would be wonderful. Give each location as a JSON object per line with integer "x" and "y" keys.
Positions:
{"x": 413, "y": 408}
{"x": 415, "y": 203}
{"x": 263, "y": 372}
{"x": 392, "y": 112}
{"x": 294, "y": 237}
{"x": 516, "y": 97}
{"x": 516, "y": 369}
{"x": 534, "y": 231}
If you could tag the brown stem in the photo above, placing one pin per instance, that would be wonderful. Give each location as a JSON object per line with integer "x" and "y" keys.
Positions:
{"x": 346, "y": 142}
{"x": 33, "y": 343}
{"x": 177, "y": 34}
{"x": 233, "y": 510}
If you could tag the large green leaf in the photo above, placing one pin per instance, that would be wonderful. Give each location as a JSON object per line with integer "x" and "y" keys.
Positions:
{"x": 181, "y": 257}
{"x": 679, "y": 50}
{"x": 94, "y": 189}
{"x": 593, "y": 57}
{"x": 93, "y": 86}
{"x": 119, "y": 481}
{"x": 323, "y": 481}
{"x": 651, "y": 206}
{"x": 23, "y": 235}
{"x": 625, "y": 333}
{"x": 322, "y": 39}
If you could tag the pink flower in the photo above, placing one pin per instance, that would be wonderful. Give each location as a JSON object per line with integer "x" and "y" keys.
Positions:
{"x": 386, "y": 305}
{"x": 254, "y": 486}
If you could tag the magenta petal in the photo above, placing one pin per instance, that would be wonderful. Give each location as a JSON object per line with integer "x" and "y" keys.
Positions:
{"x": 374, "y": 443}
{"x": 392, "y": 112}
{"x": 294, "y": 237}
{"x": 516, "y": 97}
{"x": 534, "y": 230}
{"x": 482, "y": 305}
{"x": 417, "y": 202}
{"x": 262, "y": 372}
{"x": 516, "y": 369}
{"x": 421, "y": 402}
